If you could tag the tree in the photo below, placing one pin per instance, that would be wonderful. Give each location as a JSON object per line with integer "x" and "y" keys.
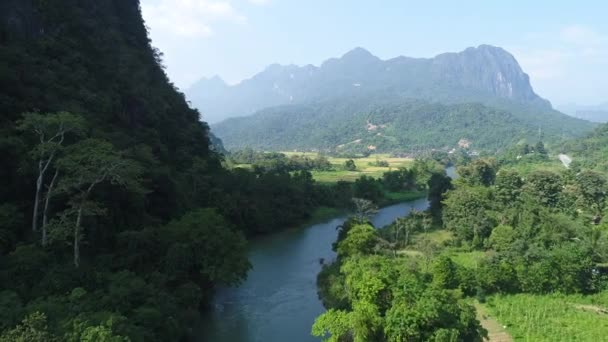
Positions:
{"x": 33, "y": 328}
{"x": 466, "y": 213}
{"x": 434, "y": 315}
{"x": 84, "y": 332}
{"x": 592, "y": 190}
{"x": 407, "y": 225}
{"x": 350, "y": 165}
{"x": 203, "y": 243}
{"x": 479, "y": 172}
{"x": 11, "y": 223}
{"x": 508, "y": 186}
{"x": 86, "y": 165}
{"x": 444, "y": 273}
{"x": 399, "y": 180}
{"x": 369, "y": 188}
{"x": 364, "y": 209}
{"x": 360, "y": 240}
{"x": 540, "y": 148}
{"x": 545, "y": 187}
{"x": 51, "y": 131}
{"x": 390, "y": 302}
{"x": 501, "y": 238}
{"x": 428, "y": 248}
{"x": 438, "y": 185}
{"x": 423, "y": 169}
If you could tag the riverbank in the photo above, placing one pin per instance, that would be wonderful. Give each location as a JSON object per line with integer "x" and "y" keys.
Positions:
{"x": 324, "y": 214}
{"x": 399, "y": 197}
{"x": 278, "y": 301}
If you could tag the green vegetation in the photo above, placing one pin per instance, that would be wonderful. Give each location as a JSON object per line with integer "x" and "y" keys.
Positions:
{"x": 590, "y": 152}
{"x": 117, "y": 219}
{"x": 324, "y": 168}
{"x": 530, "y": 248}
{"x": 343, "y": 178}
{"x": 361, "y": 82}
{"x": 550, "y": 317}
{"x": 362, "y": 125}
{"x": 374, "y": 297}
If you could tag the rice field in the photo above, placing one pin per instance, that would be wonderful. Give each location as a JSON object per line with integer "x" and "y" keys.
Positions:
{"x": 363, "y": 167}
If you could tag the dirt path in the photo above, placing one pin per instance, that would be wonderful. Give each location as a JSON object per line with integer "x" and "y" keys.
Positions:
{"x": 591, "y": 308}
{"x": 496, "y": 332}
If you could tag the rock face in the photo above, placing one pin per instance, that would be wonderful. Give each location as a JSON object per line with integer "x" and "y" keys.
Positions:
{"x": 484, "y": 74}
{"x": 486, "y": 68}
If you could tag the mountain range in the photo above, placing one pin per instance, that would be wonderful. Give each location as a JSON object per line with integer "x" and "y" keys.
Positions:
{"x": 482, "y": 74}
{"x": 333, "y": 105}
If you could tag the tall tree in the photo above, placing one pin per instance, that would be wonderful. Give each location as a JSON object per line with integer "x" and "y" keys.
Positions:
{"x": 364, "y": 209}
{"x": 86, "y": 165}
{"x": 592, "y": 190}
{"x": 438, "y": 185}
{"x": 479, "y": 172}
{"x": 545, "y": 187}
{"x": 51, "y": 131}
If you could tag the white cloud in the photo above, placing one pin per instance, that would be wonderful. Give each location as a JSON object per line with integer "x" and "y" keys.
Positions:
{"x": 542, "y": 64}
{"x": 188, "y": 18}
{"x": 581, "y": 35}
{"x": 566, "y": 65}
{"x": 547, "y": 56}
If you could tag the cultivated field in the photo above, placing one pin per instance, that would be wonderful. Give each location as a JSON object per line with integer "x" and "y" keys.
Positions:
{"x": 552, "y": 318}
{"x": 363, "y": 167}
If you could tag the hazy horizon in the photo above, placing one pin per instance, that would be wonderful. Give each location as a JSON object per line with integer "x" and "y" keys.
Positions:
{"x": 563, "y": 47}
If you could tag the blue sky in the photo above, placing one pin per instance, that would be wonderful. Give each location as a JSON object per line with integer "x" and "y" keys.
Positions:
{"x": 562, "y": 45}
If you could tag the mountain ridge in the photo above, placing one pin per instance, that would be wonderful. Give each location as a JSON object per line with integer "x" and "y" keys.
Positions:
{"x": 484, "y": 74}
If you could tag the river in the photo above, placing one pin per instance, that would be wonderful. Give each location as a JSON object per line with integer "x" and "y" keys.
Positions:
{"x": 278, "y": 301}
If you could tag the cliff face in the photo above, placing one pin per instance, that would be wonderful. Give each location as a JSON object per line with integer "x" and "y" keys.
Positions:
{"x": 488, "y": 69}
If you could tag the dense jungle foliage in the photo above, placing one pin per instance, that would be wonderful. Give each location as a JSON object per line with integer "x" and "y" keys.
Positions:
{"x": 491, "y": 232}
{"x": 356, "y": 125}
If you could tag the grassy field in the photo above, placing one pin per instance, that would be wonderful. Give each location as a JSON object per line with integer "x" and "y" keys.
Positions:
{"x": 552, "y": 317}
{"x": 363, "y": 167}
{"x": 467, "y": 259}
{"x": 339, "y": 174}
{"x": 553, "y": 165}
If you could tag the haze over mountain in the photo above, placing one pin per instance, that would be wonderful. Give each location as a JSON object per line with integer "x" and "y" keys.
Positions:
{"x": 598, "y": 113}
{"x": 359, "y": 102}
{"x": 484, "y": 74}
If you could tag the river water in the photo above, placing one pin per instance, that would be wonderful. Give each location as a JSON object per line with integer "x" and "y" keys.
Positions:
{"x": 278, "y": 301}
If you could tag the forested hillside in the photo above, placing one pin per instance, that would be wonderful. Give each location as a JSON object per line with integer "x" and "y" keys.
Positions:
{"x": 381, "y": 124}
{"x": 117, "y": 219}
{"x": 359, "y": 101}
{"x": 591, "y": 151}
